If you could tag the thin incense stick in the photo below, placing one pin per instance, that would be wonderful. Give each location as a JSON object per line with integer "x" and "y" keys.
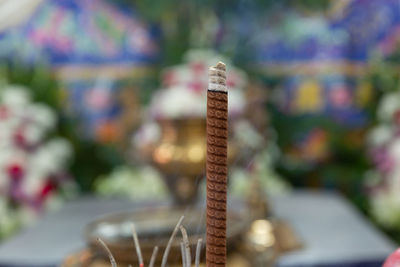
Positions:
{"x": 137, "y": 246}
{"x": 171, "y": 239}
{"x": 153, "y": 256}
{"x": 188, "y": 255}
{"x": 217, "y": 169}
{"x": 183, "y": 254}
{"x": 110, "y": 256}
{"x": 198, "y": 252}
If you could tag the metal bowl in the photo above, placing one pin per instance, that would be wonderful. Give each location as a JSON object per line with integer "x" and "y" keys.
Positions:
{"x": 154, "y": 227}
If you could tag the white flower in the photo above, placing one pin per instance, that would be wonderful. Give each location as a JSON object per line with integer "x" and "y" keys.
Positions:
{"x": 33, "y": 133}
{"x": 394, "y": 150}
{"x": 5, "y": 136}
{"x": 388, "y": 106}
{"x": 25, "y": 122}
{"x": 44, "y": 161}
{"x": 16, "y": 156}
{"x": 5, "y": 157}
{"x": 178, "y": 102}
{"x": 32, "y": 183}
{"x": 380, "y": 135}
{"x": 15, "y": 96}
{"x": 42, "y": 115}
{"x": 60, "y": 148}
{"x": 185, "y": 89}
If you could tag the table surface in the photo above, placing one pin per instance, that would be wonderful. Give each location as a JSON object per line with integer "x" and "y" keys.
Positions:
{"x": 333, "y": 232}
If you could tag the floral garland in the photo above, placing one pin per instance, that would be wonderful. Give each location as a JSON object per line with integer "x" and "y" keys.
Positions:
{"x": 32, "y": 166}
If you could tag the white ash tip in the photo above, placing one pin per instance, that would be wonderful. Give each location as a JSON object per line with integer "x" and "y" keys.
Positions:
{"x": 220, "y": 65}
{"x": 217, "y": 78}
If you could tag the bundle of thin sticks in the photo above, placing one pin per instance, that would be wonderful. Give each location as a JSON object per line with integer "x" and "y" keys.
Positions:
{"x": 185, "y": 249}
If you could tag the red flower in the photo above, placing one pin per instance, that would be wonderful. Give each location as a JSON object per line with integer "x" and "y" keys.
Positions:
{"x": 15, "y": 171}
{"x": 19, "y": 138}
{"x": 49, "y": 187}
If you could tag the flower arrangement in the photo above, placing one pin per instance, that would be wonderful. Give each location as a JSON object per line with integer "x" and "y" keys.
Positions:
{"x": 135, "y": 183}
{"x": 183, "y": 94}
{"x": 384, "y": 151}
{"x": 32, "y": 165}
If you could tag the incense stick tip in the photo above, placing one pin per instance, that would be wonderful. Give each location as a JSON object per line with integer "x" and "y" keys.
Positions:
{"x": 217, "y": 78}
{"x": 220, "y": 65}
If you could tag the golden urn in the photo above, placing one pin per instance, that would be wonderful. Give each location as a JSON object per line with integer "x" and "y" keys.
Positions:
{"x": 180, "y": 155}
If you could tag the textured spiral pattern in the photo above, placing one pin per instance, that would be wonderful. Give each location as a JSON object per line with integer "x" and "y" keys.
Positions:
{"x": 217, "y": 152}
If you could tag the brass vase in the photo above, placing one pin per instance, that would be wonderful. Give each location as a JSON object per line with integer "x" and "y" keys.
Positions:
{"x": 180, "y": 155}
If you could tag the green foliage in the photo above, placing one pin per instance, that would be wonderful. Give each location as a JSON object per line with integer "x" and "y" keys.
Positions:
{"x": 383, "y": 72}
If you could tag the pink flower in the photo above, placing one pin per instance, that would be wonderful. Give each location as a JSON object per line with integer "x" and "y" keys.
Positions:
{"x": 393, "y": 260}
{"x": 198, "y": 67}
{"x": 169, "y": 78}
{"x": 340, "y": 96}
{"x": 98, "y": 99}
{"x": 197, "y": 86}
{"x": 382, "y": 159}
{"x": 4, "y": 112}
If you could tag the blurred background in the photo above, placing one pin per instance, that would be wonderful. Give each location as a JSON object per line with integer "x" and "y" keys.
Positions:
{"x": 107, "y": 98}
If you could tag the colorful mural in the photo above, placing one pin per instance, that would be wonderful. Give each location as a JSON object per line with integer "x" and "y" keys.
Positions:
{"x": 322, "y": 56}
{"x": 95, "y": 47}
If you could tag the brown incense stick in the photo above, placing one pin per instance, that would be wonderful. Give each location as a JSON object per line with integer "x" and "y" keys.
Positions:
{"x": 217, "y": 153}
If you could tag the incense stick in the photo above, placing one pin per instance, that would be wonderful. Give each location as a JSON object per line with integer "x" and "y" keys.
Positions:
{"x": 183, "y": 254}
{"x": 185, "y": 248}
{"x": 217, "y": 153}
{"x": 198, "y": 252}
{"x": 171, "y": 239}
{"x": 137, "y": 246}
{"x": 110, "y": 256}
{"x": 188, "y": 255}
{"x": 153, "y": 256}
